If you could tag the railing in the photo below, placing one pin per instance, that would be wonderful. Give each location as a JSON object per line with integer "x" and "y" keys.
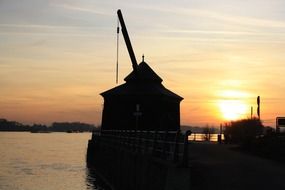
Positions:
{"x": 166, "y": 145}
{"x": 202, "y": 137}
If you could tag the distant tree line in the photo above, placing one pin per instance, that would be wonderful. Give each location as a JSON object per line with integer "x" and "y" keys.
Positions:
{"x": 199, "y": 129}
{"x": 6, "y": 125}
{"x": 74, "y": 126}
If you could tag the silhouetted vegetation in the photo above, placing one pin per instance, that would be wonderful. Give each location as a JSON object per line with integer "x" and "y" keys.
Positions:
{"x": 197, "y": 129}
{"x": 243, "y": 131}
{"x": 256, "y": 139}
{"x": 69, "y": 127}
{"x": 6, "y": 125}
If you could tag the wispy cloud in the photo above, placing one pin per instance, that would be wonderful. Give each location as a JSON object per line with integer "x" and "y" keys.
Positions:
{"x": 83, "y": 9}
{"x": 52, "y": 30}
{"x": 204, "y": 13}
{"x": 50, "y": 27}
{"x": 250, "y": 21}
{"x": 35, "y": 26}
{"x": 226, "y": 32}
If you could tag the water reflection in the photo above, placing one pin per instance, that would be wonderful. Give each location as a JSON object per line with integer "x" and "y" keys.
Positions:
{"x": 33, "y": 161}
{"x": 201, "y": 137}
{"x": 93, "y": 181}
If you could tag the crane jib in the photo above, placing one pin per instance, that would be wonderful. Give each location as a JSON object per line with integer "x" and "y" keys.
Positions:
{"x": 127, "y": 41}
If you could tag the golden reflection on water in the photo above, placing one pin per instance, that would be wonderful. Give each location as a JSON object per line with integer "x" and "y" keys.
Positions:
{"x": 45, "y": 161}
{"x": 201, "y": 137}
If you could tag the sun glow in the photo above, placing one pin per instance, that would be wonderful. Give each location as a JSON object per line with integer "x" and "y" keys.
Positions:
{"x": 232, "y": 109}
{"x": 232, "y": 104}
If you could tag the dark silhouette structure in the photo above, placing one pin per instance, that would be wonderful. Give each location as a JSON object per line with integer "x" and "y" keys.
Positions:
{"x": 142, "y": 103}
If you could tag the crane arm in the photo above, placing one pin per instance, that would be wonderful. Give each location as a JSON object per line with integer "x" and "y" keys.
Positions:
{"x": 128, "y": 41}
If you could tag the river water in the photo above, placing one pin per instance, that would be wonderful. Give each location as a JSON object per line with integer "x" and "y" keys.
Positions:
{"x": 45, "y": 161}
{"x": 201, "y": 137}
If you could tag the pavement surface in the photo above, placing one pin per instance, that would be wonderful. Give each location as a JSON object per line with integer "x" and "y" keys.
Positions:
{"x": 215, "y": 166}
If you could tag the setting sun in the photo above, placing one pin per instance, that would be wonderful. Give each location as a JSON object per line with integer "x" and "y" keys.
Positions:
{"x": 232, "y": 104}
{"x": 232, "y": 109}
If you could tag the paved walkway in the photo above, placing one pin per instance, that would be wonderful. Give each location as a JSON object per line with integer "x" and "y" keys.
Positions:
{"x": 215, "y": 166}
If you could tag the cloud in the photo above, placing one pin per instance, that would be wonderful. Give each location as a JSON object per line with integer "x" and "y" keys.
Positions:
{"x": 203, "y": 13}
{"x": 52, "y": 30}
{"x": 237, "y": 19}
{"x": 83, "y": 9}
{"x": 225, "y": 33}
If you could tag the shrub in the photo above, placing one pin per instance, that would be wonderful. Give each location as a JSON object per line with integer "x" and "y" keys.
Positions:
{"x": 243, "y": 131}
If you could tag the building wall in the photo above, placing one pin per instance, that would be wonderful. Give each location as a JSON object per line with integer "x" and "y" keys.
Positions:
{"x": 157, "y": 113}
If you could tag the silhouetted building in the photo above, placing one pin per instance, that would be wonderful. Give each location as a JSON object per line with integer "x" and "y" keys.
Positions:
{"x": 141, "y": 103}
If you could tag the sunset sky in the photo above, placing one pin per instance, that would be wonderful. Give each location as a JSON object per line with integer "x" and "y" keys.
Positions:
{"x": 57, "y": 56}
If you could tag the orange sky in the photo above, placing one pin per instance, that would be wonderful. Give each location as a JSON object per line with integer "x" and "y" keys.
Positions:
{"x": 56, "y": 57}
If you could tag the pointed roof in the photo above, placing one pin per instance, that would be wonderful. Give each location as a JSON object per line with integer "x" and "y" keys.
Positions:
{"x": 144, "y": 73}
{"x": 144, "y": 82}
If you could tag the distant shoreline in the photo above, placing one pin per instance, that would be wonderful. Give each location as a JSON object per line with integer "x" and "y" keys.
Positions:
{"x": 70, "y": 127}
{"x": 45, "y": 132}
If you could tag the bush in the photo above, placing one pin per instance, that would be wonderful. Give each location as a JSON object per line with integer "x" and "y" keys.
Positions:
{"x": 243, "y": 131}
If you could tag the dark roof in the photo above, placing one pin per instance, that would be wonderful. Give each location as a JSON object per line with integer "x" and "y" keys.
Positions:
{"x": 140, "y": 89}
{"x": 145, "y": 73}
{"x": 145, "y": 82}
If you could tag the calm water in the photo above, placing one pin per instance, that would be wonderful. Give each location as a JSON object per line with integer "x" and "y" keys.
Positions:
{"x": 45, "y": 161}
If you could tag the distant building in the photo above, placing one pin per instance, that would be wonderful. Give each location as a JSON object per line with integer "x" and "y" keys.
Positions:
{"x": 141, "y": 103}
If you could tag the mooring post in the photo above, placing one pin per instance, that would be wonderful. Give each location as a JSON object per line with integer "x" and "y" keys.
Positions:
{"x": 185, "y": 152}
